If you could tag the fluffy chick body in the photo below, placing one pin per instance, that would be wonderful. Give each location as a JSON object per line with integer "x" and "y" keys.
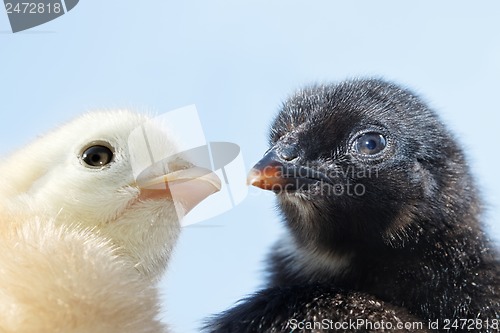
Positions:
{"x": 64, "y": 279}
{"x": 81, "y": 242}
{"x": 49, "y": 179}
{"x": 412, "y": 240}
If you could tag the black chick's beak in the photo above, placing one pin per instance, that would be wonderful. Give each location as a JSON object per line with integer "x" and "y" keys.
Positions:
{"x": 276, "y": 174}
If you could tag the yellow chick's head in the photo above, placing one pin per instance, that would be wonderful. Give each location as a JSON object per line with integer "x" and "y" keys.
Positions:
{"x": 81, "y": 174}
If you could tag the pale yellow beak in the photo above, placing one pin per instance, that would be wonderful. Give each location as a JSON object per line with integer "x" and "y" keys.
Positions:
{"x": 187, "y": 187}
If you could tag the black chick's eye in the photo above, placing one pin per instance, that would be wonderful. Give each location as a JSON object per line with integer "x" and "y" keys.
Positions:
{"x": 97, "y": 156}
{"x": 370, "y": 143}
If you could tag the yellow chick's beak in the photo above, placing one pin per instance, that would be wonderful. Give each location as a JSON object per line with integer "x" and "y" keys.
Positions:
{"x": 187, "y": 187}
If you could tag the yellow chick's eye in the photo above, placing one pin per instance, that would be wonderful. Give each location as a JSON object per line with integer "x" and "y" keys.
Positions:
{"x": 97, "y": 156}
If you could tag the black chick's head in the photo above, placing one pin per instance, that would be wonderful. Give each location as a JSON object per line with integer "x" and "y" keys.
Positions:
{"x": 361, "y": 164}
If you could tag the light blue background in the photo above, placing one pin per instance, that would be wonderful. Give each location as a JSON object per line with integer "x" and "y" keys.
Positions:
{"x": 237, "y": 60}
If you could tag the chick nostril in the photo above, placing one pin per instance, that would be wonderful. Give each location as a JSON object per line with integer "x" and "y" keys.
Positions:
{"x": 289, "y": 153}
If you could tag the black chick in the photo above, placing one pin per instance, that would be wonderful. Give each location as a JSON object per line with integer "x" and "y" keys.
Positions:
{"x": 380, "y": 208}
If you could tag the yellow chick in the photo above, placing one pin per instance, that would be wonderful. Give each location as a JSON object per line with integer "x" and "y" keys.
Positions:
{"x": 82, "y": 240}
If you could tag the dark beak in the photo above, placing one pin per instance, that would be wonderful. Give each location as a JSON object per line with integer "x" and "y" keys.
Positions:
{"x": 276, "y": 174}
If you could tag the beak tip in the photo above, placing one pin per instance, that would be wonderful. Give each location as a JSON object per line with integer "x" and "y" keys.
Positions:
{"x": 267, "y": 173}
{"x": 254, "y": 177}
{"x": 217, "y": 186}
